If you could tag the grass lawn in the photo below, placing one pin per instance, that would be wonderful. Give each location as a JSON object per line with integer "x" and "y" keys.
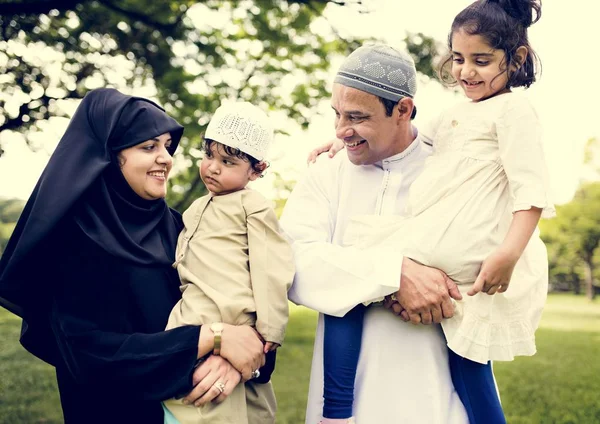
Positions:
{"x": 559, "y": 385}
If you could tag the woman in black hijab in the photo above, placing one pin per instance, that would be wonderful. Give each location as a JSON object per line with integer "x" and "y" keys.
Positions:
{"x": 88, "y": 268}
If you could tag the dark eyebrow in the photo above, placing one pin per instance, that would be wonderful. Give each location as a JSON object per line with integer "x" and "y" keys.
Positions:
{"x": 352, "y": 112}
{"x": 158, "y": 141}
{"x": 474, "y": 54}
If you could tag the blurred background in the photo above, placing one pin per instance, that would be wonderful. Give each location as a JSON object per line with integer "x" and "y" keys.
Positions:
{"x": 189, "y": 56}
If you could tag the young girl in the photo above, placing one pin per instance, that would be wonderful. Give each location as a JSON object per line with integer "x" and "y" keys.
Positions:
{"x": 472, "y": 213}
{"x": 234, "y": 265}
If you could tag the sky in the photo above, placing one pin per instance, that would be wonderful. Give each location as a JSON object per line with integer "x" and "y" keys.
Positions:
{"x": 565, "y": 97}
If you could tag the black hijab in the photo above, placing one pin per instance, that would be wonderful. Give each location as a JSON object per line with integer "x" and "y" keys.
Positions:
{"x": 83, "y": 181}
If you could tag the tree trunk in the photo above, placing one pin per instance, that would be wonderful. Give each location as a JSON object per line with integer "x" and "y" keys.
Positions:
{"x": 589, "y": 277}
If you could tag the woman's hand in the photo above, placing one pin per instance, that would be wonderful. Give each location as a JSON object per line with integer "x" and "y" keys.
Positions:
{"x": 495, "y": 273}
{"x": 243, "y": 348}
{"x": 209, "y": 378}
{"x": 332, "y": 146}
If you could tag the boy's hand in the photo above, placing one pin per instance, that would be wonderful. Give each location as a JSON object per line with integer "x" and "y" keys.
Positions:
{"x": 495, "y": 273}
{"x": 270, "y": 346}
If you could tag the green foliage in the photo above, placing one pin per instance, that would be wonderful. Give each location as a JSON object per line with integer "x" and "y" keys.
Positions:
{"x": 10, "y": 209}
{"x": 573, "y": 238}
{"x": 193, "y": 54}
{"x": 558, "y": 385}
{"x": 425, "y": 52}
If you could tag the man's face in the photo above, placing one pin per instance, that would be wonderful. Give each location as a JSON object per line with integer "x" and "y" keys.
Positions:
{"x": 361, "y": 123}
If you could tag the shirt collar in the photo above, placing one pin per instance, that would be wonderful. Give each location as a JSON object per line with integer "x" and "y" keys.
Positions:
{"x": 403, "y": 156}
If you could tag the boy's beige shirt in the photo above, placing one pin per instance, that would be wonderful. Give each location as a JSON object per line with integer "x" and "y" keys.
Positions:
{"x": 234, "y": 264}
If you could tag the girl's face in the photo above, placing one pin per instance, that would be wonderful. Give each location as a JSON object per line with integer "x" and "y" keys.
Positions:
{"x": 146, "y": 167}
{"x": 479, "y": 69}
{"x": 223, "y": 173}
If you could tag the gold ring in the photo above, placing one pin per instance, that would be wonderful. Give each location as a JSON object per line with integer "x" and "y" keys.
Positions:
{"x": 393, "y": 297}
{"x": 220, "y": 386}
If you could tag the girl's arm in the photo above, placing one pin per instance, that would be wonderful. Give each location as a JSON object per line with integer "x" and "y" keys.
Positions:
{"x": 521, "y": 152}
{"x": 496, "y": 270}
{"x": 332, "y": 146}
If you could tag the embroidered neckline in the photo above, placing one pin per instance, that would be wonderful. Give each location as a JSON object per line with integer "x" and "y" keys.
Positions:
{"x": 405, "y": 153}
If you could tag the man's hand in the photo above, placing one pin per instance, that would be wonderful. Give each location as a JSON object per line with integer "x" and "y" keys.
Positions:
{"x": 426, "y": 293}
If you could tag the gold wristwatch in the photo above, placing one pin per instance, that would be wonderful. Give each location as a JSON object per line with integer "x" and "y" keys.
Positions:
{"x": 217, "y": 329}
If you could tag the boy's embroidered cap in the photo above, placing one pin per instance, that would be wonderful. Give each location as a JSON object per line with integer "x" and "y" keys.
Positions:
{"x": 380, "y": 70}
{"x": 243, "y": 126}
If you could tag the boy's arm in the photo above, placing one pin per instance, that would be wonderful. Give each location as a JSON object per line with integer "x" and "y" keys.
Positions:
{"x": 271, "y": 268}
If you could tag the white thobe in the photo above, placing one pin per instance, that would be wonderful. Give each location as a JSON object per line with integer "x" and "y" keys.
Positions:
{"x": 403, "y": 374}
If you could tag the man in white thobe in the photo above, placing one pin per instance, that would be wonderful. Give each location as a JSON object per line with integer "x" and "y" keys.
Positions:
{"x": 403, "y": 374}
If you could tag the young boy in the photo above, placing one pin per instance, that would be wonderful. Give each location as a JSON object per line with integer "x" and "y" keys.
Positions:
{"x": 235, "y": 266}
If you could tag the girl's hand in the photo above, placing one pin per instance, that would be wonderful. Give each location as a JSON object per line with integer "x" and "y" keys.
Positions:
{"x": 495, "y": 273}
{"x": 332, "y": 146}
{"x": 269, "y": 346}
{"x": 211, "y": 374}
{"x": 243, "y": 348}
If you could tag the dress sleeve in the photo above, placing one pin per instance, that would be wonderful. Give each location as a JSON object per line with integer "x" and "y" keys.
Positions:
{"x": 97, "y": 322}
{"x": 330, "y": 278}
{"x": 271, "y": 267}
{"x": 522, "y": 155}
{"x": 428, "y": 130}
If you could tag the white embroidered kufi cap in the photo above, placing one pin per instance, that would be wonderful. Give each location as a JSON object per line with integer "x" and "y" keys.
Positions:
{"x": 243, "y": 126}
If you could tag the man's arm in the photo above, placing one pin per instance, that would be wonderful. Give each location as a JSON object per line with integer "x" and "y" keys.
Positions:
{"x": 329, "y": 278}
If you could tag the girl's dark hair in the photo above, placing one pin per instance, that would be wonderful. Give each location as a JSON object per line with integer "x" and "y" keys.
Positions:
{"x": 503, "y": 24}
{"x": 232, "y": 151}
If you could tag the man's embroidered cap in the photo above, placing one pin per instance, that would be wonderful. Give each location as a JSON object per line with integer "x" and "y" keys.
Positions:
{"x": 380, "y": 70}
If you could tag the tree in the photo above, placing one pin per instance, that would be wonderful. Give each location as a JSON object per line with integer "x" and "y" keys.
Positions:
{"x": 575, "y": 233}
{"x": 274, "y": 53}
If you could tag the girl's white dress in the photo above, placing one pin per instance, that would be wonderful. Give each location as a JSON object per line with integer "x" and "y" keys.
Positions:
{"x": 488, "y": 162}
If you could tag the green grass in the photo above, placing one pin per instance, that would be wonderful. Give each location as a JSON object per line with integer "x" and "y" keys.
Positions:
{"x": 559, "y": 385}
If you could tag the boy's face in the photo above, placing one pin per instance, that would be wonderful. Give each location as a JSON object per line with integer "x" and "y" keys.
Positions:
{"x": 223, "y": 173}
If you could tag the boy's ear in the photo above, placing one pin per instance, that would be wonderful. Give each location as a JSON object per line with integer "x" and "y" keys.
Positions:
{"x": 258, "y": 169}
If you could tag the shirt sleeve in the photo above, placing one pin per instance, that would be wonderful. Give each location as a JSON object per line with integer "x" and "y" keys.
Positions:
{"x": 271, "y": 268}
{"x": 522, "y": 155}
{"x": 330, "y": 278}
{"x": 96, "y": 327}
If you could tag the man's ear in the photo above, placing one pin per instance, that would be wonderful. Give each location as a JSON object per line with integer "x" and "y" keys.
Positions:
{"x": 405, "y": 108}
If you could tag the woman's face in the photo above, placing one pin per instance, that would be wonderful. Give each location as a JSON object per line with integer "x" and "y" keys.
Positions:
{"x": 146, "y": 167}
